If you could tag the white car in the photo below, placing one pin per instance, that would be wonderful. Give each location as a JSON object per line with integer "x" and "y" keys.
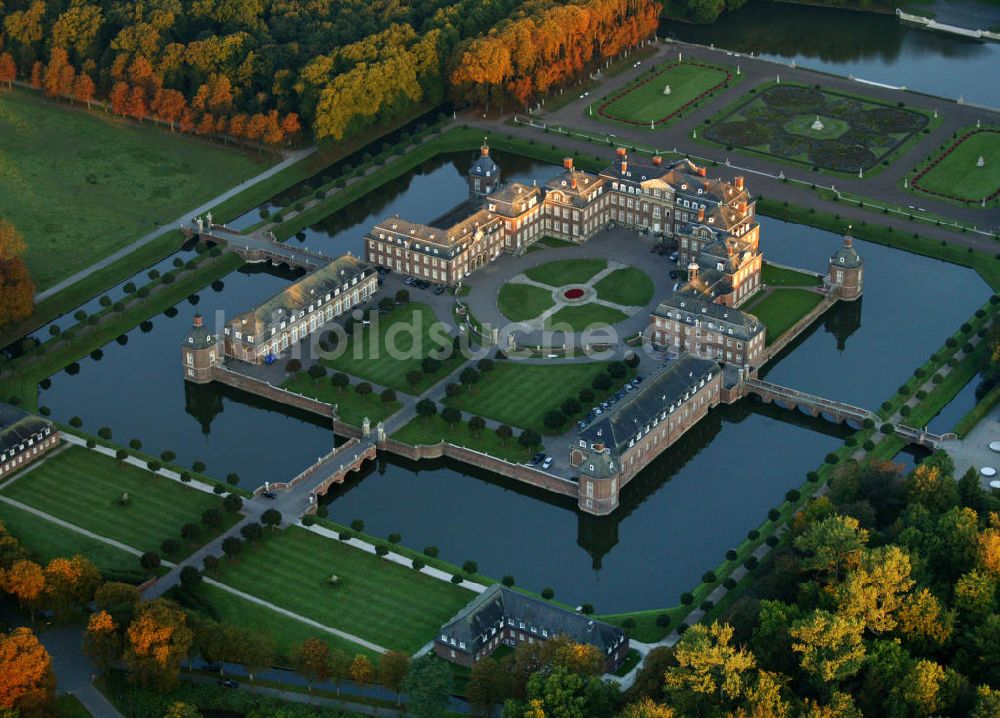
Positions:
{"x": 547, "y": 463}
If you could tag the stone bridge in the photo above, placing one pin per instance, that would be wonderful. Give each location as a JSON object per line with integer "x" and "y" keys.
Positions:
{"x": 836, "y": 411}
{"x": 328, "y": 470}
{"x": 811, "y": 404}
{"x": 258, "y": 246}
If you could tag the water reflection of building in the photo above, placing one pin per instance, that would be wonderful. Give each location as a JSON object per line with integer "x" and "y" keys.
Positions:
{"x": 842, "y": 321}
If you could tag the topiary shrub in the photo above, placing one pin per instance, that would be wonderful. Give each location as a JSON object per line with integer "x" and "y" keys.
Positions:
{"x": 548, "y": 594}
{"x": 792, "y": 495}
{"x": 709, "y": 577}
{"x": 753, "y": 534}
{"x": 687, "y": 598}
{"x": 731, "y": 554}
{"x": 417, "y": 563}
{"x": 707, "y": 605}
{"x": 868, "y": 445}
{"x": 729, "y": 583}
{"x": 772, "y": 541}
{"x": 832, "y": 458}
{"x": 751, "y": 563}
{"x": 774, "y": 514}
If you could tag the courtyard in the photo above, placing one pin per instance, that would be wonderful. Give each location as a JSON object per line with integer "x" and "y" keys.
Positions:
{"x": 819, "y": 128}
{"x": 647, "y": 100}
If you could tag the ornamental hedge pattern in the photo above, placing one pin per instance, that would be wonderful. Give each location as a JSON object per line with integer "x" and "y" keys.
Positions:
{"x": 874, "y": 130}
{"x": 915, "y": 182}
{"x": 603, "y": 111}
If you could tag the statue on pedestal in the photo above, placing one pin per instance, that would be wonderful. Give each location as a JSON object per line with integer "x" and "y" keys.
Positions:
{"x": 981, "y": 162}
{"x": 817, "y": 125}
{"x": 667, "y": 90}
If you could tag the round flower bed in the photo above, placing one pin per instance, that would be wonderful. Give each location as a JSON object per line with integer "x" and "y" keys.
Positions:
{"x": 574, "y": 293}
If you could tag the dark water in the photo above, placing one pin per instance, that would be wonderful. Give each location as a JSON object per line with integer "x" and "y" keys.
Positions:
{"x": 866, "y": 45}
{"x": 862, "y": 351}
{"x": 677, "y": 518}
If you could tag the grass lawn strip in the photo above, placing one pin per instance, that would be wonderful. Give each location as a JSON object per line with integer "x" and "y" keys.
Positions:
{"x": 352, "y": 408}
{"x": 774, "y": 276}
{"x": 46, "y": 540}
{"x": 643, "y": 101}
{"x": 953, "y": 174}
{"x": 780, "y": 309}
{"x": 409, "y": 327}
{"x": 581, "y": 316}
{"x": 422, "y": 431}
{"x": 520, "y": 302}
{"x": 80, "y": 186}
{"x": 566, "y": 271}
{"x": 287, "y": 632}
{"x": 521, "y": 394}
{"x": 84, "y": 488}
{"x": 629, "y": 287}
{"x": 375, "y": 599}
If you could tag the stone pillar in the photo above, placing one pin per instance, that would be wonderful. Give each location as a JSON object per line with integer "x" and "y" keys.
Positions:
{"x": 366, "y": 426}
{"x": 494, "y": 336}
{"x": 380, "y": 432}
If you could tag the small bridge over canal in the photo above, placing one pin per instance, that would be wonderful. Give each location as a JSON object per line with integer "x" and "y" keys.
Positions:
{"x": 258, "y": 246}
{"x": 837, "y": 411}
{"x": 328, "y": 470}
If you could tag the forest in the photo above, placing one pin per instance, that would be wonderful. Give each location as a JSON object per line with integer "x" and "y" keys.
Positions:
{"x": 262, "y": 70}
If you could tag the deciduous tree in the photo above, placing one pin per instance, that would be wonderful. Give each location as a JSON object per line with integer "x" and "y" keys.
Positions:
{"x": 312, "y": 660}
{"x": 102, "y": 642}
{"x": 27, "y": 683}
{"x": 392, "y": 670}
{"x": 158, "y": 639}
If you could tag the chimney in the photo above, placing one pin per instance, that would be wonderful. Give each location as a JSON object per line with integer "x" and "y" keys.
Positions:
{"x": 198, "y": 320}
{"x": 738, "y": 181}
{"x": 573, "y": 181}
{"x": 847, "y": 243}
{"x": 624, "y": 166}
{"x": 701, "y": 171}
{"x": 620, "y": 152}
{"x": 568, "y": 162}
{"x": 657, "y": 160}
{"x": 692, "y": 271}
{"x": 485, "y": 149}
{"x": 599, "y": 447}
{"x": 701, "y": 214}
{"x": 742, "y": 207}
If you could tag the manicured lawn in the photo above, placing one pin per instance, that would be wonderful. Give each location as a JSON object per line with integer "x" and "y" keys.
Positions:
{"x": 630, "y": 287}
{"x": 519, "y": 302}
{"x": 644, "y": 102}
{"x": 84, "y": 487}
{"x": 46, "y": 541}
{"x": 431, "y": 430}
{"x": 379, "y": 601}
{"x": 407, "y": 329}
{"x": 553, "y": 243}
{"x": 782, "y": 308}
{"x": 79, "y": 186}
{"x": 352, "y": 408}
{"x": 520, "y": 394}
{"x": 581, "y": 316}
{"x": 956, "y": 176}
{"x": 780, "y": 277}
{"x": 566, "y": 271}
{"x": 286, "y": 631}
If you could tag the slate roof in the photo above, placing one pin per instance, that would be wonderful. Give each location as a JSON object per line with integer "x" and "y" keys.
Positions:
{"x": 198, "y": 337}
{"x": 442, "y": 241}
{"x": 313, "y": 288}
{"x": 656, "y": 397}
{"x": 484, "y": 166}
{"x": 689, "y": 305}
{"x": 847, "y": 256}
{"x": 485, "y": 615}
{"x": 17, "y": 425}
{"x": 578, "y": 186}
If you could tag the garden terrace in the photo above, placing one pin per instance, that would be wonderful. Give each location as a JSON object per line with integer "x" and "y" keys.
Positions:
{"x": 430, "y": 430}
{"x": 643, "y": 101}
{"x": 88, "y": 490}
{"x": 352, "y": 407}
{"x": 780, "y": 309}
{"x": 521, "y": 394}
{"x": 953, "y": 173}
{"x": 856, "y": 133}
{"x": 409, "y": 326}
{"x": 377, "y": 600}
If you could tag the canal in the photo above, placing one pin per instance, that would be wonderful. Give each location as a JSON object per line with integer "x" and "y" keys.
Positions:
{"x": 677, "y": 518}
{"x": 871, "y": 46}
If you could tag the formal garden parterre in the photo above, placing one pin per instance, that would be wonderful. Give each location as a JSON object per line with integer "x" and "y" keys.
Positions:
{"x": 955, "y": 174}
{"x": 819, "y": 128}
{"x": 645, "y": 101}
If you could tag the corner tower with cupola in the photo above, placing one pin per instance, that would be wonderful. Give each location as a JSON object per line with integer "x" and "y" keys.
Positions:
{"x": 846, "y": 277}
{"x": 484, "y": 174}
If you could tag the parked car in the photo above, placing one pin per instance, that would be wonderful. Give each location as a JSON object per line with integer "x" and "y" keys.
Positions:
{"x": 410, "y": 281}
{"x": 269, "y": 495}
{"x": 597, "y": 411}
{"x": 581, "y": 425}
{"x": 630, "y": 387}
{"x": 229, "y": 683}
{"x": 605, "y": 405}
{"x": 547, "y": 463}
{"x": 673, "y": 256}
{"x": 537, "y": 458}
{"x": 439, "y": 289}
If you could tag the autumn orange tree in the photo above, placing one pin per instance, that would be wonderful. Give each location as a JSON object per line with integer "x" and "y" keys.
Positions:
{"x": 102, "y": 642}
{"x": 8, "y": 70}
{"x": 17, "y": 291}
{"x": 25, "y": 581}
{"x": 157, "y": 641}
{"x": 70, "y": 584}
{"x": 27, "y": 683}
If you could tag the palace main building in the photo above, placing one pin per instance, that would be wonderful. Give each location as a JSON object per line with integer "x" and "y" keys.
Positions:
{"x": 673, "y": 199}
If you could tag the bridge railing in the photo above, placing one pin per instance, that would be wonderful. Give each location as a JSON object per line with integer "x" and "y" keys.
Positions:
{"x": 805, "y": 398}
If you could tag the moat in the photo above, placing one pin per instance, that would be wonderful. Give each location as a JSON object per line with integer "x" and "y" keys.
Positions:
{"x": 677, "y": 518}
